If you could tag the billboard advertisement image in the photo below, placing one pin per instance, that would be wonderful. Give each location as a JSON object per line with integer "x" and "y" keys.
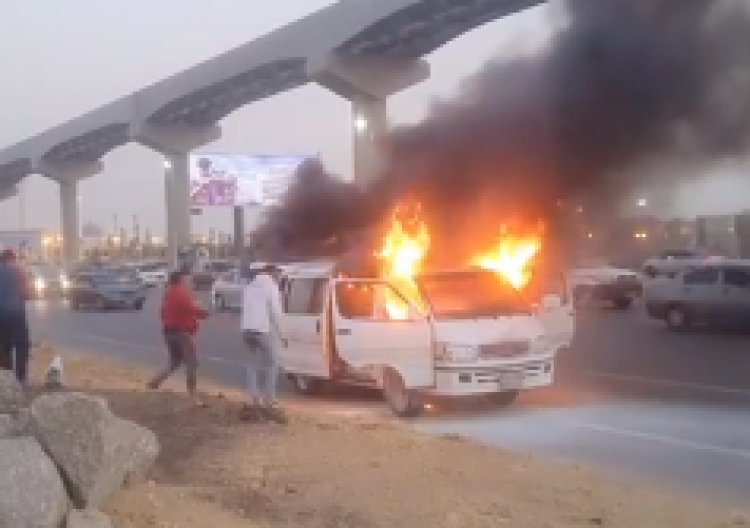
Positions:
{"x": 240, "y": 180}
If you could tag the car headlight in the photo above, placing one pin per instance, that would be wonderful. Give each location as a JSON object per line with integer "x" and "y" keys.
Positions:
{"x": 457, "y": 353}
{"x": 39, "y": 284}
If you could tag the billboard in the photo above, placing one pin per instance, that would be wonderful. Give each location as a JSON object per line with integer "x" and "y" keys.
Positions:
{"x": 240, "y": 180}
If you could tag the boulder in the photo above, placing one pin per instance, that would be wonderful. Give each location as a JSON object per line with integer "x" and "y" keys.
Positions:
{"x": 32, "y": 494}
{"x": 11, "y": 394}
{"x": 96, "y": 451}
{"x": 11, "y": 425}
{"x": 7, "y": 426}
{"x": 88, "y": 519}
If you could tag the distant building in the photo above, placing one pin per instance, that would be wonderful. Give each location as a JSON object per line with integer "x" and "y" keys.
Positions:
{"x": 726, "y": 235}
{"x": 716, "y": 234}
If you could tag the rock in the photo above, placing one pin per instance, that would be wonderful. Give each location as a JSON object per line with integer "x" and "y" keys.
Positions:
{"x": 17, "y": 425}
{"x": 88, "y": 519}
{"x": 11, "y": 394}
{"x": 7, "y": 426}
{"x": 32, "y": 494}
{"x": 96, "y": 451}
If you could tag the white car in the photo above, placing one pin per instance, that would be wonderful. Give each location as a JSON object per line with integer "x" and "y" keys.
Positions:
{"x": 153, "y": 274}
{"x": 604, "y": 283}
{"x": 226, "y": 292}
{"x": 470, "y": 335}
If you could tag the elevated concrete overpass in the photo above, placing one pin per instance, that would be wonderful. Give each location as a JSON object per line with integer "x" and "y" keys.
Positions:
{"x": 363, "y": 50}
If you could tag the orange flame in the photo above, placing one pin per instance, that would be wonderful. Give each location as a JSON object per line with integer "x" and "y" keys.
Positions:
{"x": 407, "y": 243}
{"x": 405, "y": 247}
{"x": 511, "y": 257}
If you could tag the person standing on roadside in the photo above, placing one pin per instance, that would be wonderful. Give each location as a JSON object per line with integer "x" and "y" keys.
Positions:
{"x": 14, "y": 329}
{"x": 179, "y": 316}
{"x": 261, "y": 331}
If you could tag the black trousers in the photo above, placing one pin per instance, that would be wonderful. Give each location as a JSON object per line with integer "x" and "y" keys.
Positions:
{"x": 181, "y": 349}
{"x": 14, "y": 339}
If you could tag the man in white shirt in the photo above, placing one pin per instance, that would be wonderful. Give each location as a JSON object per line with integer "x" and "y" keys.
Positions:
{"x": 261, "y": 330}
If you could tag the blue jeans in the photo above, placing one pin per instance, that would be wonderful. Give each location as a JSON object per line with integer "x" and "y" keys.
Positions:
{"x": 262, "y": 368}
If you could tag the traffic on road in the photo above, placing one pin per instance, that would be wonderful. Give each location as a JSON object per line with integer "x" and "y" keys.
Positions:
{"x": 628, "y": 395}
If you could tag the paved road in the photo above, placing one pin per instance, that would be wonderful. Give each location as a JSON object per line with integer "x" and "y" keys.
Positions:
{"x": 632, "y": 399}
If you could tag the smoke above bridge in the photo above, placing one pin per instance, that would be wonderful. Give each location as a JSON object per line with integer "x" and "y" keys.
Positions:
{"x": 623, "y": 82}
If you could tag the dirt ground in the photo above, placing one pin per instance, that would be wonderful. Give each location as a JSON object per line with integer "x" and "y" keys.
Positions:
{"x": 322, "y": 471}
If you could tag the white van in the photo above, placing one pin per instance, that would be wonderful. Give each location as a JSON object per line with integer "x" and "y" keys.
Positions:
{"x": 473, "y": 335}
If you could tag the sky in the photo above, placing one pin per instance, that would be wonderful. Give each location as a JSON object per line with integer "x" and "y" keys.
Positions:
{"x": 61, "y": 62}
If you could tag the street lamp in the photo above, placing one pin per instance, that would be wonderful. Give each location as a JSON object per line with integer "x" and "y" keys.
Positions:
{"x": 361, "y": 124}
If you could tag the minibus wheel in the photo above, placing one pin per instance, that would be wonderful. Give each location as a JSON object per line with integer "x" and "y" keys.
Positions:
{"x": 403, "y": 402}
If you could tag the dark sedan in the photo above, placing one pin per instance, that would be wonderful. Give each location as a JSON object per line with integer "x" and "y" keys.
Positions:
{"x": 103, "y": 291}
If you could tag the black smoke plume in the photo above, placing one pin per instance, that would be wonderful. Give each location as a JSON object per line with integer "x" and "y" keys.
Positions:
{"x": 624, "y": 82}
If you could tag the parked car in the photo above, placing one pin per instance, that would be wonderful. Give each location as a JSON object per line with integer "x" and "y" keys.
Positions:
{"x": 153, "y": 274}
{"x": 207, "y": 273}
{"x": 47, "y": 280}
{"x": 714, "y": 293}
{"x": 604, "y": 283}
{"x": 102, "y": 291}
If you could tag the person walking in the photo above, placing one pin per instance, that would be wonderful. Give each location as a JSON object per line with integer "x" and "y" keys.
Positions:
{"x": 180, "y": 315}
{"x": 262, "y": 332}
{"x": 14, "y": 329}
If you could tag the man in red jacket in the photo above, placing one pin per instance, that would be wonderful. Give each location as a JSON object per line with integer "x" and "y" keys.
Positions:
{"x": 179, "y": 316}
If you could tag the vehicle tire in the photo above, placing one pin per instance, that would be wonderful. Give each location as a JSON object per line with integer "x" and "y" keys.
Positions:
{"x": 75, "y": 305}
{"x": 623, "y": 303}
{"x": 305, "y": 384}
{"x": 677, "y": 318}
{"x": 138, "y": 305}
{"x": 505, "y": 398}
{"x": 404, "y": 402}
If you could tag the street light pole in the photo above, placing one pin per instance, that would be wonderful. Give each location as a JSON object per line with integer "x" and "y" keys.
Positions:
{"x": 22, "y": 205}
{"x": 239, "y": 232}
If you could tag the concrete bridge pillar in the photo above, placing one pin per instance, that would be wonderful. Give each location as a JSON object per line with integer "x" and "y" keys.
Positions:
{"x": 70, "y": 221}
{"x": 367, "y": 82}
{"x": 175, "y": 142}
{"x": 67, "y": 174}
